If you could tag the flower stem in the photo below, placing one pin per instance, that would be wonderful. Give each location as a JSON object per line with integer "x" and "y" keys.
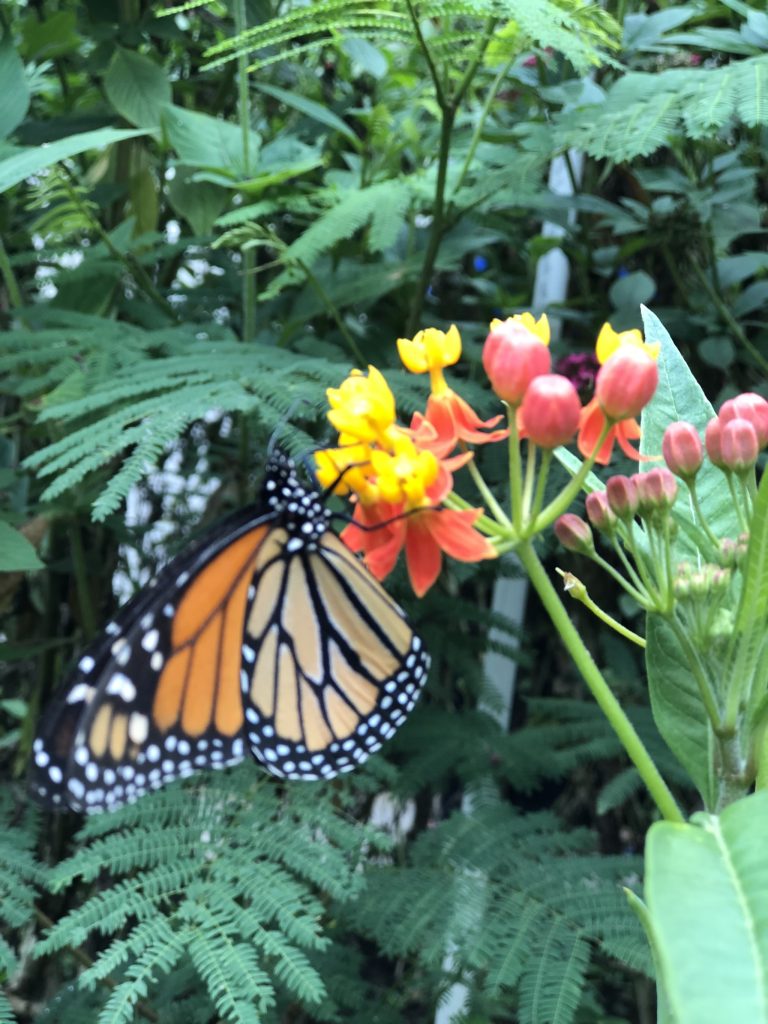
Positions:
{"x": 581, "y": 594}
{"x": 600, "y": 690}
{"x": 487, "y": 495}
{"x": 563, "y": 501}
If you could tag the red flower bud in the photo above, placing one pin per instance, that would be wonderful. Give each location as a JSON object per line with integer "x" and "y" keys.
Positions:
{"x": 512, "y": 357}
{"x": 574, "y": 534}
{"x": 600, "y": 513}
{"x": 622, "y": 496}
{"x": 626, "y": 383}
{"x": 656, "y": 489}
{"x": 682, "y": 449}
{"x": 739, "y": 445}
{"x": 550, "y": 411}
{"x": 748, "y": 406}
{"x": 713, "y": 442}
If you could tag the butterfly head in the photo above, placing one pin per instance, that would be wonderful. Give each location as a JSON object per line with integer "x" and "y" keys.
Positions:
{"x": 300, "y": 509}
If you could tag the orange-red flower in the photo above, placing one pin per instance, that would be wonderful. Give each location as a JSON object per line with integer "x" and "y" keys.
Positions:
{"x": 425, "y": 534}
{"x": 449, "y": 417}
{"x": 590, "y": 428}
{"x": 448, "y": 420}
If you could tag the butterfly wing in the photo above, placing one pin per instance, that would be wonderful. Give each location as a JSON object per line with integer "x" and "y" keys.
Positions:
{"x": 157, "y": 696}
{"x": 331, "y": 666}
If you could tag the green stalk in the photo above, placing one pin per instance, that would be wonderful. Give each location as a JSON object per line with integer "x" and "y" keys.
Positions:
{"x": 82, "y": 584}
{"x": 476, "y": 134}
{"x": 244, "y": 112}
{"x": 708, "y": 698}
{"x": 565, "y": 498}
{"x": 600, "y": 690}
{"x": 515, "y": 471}
{"x": 702, "y": 522}
{"x": 487, "y": 495}
{"x": 11, "y": 284}
{"x": 334, "y": 312}
{"x": 581, "y": 594}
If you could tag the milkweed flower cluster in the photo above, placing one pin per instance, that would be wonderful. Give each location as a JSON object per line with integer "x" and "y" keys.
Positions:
{"x": 400, "y": 478}
{"x": 732, "y": 442}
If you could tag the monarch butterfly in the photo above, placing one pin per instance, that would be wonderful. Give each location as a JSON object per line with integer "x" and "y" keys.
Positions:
{"x": 268, "y": 634}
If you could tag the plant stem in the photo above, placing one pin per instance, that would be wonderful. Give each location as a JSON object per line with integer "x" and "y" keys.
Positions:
{"x": 475, "y": 140}
{"x": 12, "y": 285}
{"x": 582, "y": 596}
{"x": 733, "y": 324}
{"x": 244, "y": 111}
{"x": 600, "y": 690}
{"x": 329, "y": 304}
{"x": 84, "y": 598}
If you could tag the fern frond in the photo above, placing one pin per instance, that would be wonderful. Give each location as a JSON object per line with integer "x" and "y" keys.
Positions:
{"x": 223, "y": 874}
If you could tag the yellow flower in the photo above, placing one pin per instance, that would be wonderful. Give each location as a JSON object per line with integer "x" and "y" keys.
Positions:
{"x": 363, "y": 407}
{"x": 405, "y": 474}
{"x": 610, "y": 341}
{"x": 431, "y": 350}
{"x": 347, "y": 470}
{"x": 538, "y": 327}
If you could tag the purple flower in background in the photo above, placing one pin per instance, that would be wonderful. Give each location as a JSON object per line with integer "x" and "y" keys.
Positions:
{"x": 581, "y": 369}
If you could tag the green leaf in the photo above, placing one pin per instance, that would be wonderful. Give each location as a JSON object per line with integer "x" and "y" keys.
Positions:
{"x": 210, "y": 142}
{"x": 677, "y": 706}
{"x": 14, "y": 91}
{"x": 36, "y": 158}
{"x": 679, "y": 397}
{"x": 706, "y": 888}
{"x": 316, "y": 111}
{"x": 16, "y": 552}
{"x": 198, "y": 202}
{"x": 632, "y": 290}
{"x": 137, "y": 88}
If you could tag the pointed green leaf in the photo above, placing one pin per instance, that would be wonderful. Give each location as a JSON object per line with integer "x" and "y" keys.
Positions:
{"x": 36, "y": 158}
{"x": 16, "y": 552}
{"x": 677, "y": 706}
{"x": 706, "y": 888}
{"x": 14, "y": 91}
{"x": 137, "y": 88}
{"x": 204, "y": 141}
{"x": 315, "y": 111}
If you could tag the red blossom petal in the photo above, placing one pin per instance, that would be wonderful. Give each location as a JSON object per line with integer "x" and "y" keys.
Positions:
{"x": 422, "y": 553}
{"x": 455, "y": 420}
{"x": 453, "y": 530}
{"x": 590, "y": 428}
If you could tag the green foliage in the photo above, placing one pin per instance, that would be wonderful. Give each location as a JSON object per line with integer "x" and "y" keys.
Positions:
{"x": 227, "y": 876}
{"x": 521, "y": 904}
{"x": 174, "y": 292}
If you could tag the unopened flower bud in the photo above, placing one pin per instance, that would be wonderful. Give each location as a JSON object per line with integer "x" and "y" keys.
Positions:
{"x": 713, "y": 442}
{"x": 574, "y": 534}
{"x": 622, "y": 496}
{"x": 682, "y": 449}
{"x": 739, "y": 445}
{"x": 656, "y": 489}
{"x": 626, "y": 383}
{"x": 600, "y": 513}
{"x": 748, "y": 406}
{"x": 512, "y": 357}
{"x": 550, "y": 411}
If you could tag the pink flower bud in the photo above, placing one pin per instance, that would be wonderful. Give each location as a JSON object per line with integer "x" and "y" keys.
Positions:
{"x": 748, "y": 406}
{"x": 600, "y": 513}
{"x": 626, "y": 383}
{"x": 622, "y": 496}
{"x": 512, "y": 357}
{"x": 713, "y": 442}
{"x": 550, "y": 411}
{"x": 574, "y": 534}
{"x": 682, "y": 449}
{"x": 656, "y": 489}
{"x": 739, "y": 445}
